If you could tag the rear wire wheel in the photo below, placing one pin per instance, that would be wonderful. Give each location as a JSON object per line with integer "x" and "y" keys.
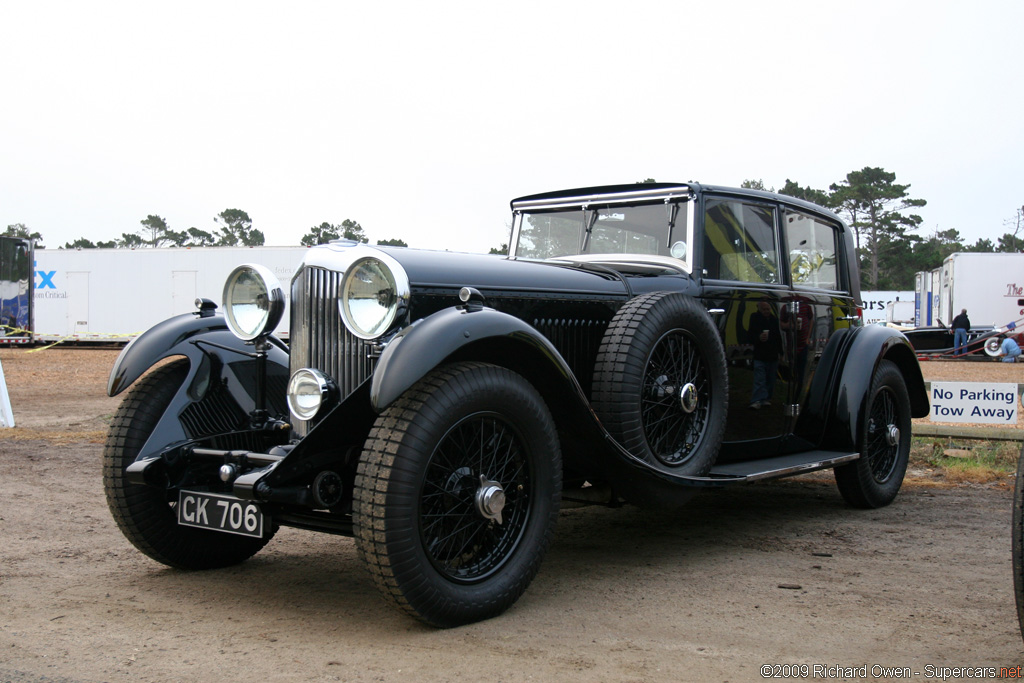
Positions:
{"x": 457, "y": 494}
{"x": 143, "y": 513}
{"x": 875, "y": 478}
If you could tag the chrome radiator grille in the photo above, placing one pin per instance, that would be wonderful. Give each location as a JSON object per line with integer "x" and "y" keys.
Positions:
{"x": 319, "y": 338}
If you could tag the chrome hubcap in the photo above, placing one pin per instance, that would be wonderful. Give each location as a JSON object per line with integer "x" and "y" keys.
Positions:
{"x": 892, "y": 435}
{"x": 688, "y": 398}
{"x": 490, "y": 499}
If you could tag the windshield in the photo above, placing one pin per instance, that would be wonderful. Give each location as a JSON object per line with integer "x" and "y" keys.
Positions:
{"x": 645, "y": 229}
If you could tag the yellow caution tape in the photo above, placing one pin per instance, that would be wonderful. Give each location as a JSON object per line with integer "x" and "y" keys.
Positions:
{"x": 8, "y": 330}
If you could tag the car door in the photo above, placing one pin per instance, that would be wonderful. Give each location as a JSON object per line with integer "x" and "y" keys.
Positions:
{"x": 744, "y": 287}
{"x": 817, "y": 306}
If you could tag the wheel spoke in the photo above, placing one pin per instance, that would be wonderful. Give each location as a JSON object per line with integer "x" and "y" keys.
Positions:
{"x": 672, "y": 433}
{"x": 458, "y": 538}
{"x": 882, "y": 455}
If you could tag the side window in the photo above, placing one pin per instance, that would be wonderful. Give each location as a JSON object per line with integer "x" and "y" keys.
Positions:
{"x": 739, "y": 242}
{"x": 812, "y": 251}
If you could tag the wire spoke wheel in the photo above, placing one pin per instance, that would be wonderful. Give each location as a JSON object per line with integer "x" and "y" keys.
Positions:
{"x": 882, "y": 446}
{"x": 675, "y": 400}
{"x": 875, "y": 478}
{"x": 465, "y": 538}
{"x": 457, "y": 494}
{"x": 144, "y": 514}
{"x": 660, "y": 383}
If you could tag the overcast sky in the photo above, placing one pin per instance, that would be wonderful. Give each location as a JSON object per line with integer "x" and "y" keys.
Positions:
{"x": 422, "y": 120}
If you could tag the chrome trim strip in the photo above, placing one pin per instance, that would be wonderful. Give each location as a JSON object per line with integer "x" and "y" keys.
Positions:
{"x": 681, "y": 192}
{"x": 612, "y": 260}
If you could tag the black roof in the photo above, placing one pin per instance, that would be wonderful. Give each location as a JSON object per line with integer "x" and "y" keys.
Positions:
{"x": 658, "y": 188}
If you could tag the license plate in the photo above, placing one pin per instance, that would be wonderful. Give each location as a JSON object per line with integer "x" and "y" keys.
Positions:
{"x": 220, "y": 513}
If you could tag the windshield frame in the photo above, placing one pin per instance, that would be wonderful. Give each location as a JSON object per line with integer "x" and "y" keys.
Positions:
{"x": 680, "y": 198}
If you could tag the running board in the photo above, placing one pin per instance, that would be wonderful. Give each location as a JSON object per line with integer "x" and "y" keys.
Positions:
{"x": 781, "y": 465}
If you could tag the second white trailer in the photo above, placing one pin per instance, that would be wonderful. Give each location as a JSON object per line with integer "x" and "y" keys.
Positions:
{"x": 116, "y": 294}
{"x": 989, "y": 286}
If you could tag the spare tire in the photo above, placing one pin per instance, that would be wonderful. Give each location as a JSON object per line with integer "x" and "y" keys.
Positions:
{"x": 660, "y": 382}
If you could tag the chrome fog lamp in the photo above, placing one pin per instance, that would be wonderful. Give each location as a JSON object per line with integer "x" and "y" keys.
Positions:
{"x": 253, "y": 301}
{"x": 371, "y": 296}
{"x": 308, "y": 391}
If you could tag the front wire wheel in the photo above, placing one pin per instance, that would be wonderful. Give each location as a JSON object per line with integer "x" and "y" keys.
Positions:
{"x": 144, "y": 514}
{"x": 470, "y": 523}
{"x": 457, "y": 494}
{"x": 875, "y": 478}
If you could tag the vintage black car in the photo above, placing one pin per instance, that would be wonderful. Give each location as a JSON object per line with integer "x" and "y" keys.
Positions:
{"x": 639, "y": 343}
{"x": 938, "y": 341}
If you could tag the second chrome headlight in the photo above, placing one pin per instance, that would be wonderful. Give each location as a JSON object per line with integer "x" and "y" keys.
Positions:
{"x": 253, "y": 301}
{"x": 371, "y": 297}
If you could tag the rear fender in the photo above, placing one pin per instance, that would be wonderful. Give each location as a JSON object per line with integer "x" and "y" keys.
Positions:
{"x": 221, "y": 373}
{"x": 864, "y": 348}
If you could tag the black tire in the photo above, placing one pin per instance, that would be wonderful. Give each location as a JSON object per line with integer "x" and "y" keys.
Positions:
{"x": 419, "y": 521}
{"x": 143, "y": 513}
{"x": 1018, "y": 542}
{"x": 875, "y": 478}
{"x": 660, "y": 382}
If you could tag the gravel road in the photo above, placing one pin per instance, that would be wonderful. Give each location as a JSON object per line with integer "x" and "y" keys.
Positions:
{"x": 778, "y": 573}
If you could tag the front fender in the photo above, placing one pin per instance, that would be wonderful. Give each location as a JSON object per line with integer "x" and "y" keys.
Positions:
{"x": 484, "y": 334}
{"x": 173, "y": 337}
{"x": 865, "y": 348}
{"x": 423, "y": 346}
{"x": 221, "y": 373}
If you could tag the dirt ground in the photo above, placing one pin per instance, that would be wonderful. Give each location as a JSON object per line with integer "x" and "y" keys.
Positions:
{"x": 769, "y": 574}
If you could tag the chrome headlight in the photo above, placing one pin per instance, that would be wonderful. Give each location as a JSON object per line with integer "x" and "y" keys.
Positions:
{"x": 308, "y": 390}
{"x": 253, "y": 301}
{"x": 375, "y": 289}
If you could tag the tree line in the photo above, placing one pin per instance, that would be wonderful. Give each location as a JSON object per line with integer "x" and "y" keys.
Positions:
{"x": 877, "y": 208}
{"x": 234, "y": 230}
{"x": 886, "y": 231}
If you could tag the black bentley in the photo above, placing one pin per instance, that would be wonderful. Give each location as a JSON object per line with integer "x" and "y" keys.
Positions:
{"x": 637, "y": 344}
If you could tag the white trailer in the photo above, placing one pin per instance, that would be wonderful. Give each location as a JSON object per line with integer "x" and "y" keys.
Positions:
{"x": 877, "y": 302}
{"x": 116, "y": 294}
{"x": 900, "y": 313}
{"x": 927, "y": 284}
{"x": 990, "y": 286}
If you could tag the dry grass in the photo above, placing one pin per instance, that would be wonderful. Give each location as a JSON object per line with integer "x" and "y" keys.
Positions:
{"x": 55, "y": 437}
{"x": 957, "y": 461}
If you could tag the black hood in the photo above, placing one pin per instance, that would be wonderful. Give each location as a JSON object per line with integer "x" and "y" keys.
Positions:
{"x": 452, "y": 270}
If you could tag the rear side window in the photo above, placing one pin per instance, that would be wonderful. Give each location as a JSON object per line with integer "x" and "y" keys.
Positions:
{"x": 739, "y": 242}
{"x": 812, "y": 251}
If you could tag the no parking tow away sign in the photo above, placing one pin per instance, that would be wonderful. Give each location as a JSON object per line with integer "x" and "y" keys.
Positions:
{"x": 977, "y": 402}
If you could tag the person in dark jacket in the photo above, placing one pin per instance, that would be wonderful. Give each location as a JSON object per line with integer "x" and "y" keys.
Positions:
{"x": 961, "y": 324}
{"x": 764, "y": 335}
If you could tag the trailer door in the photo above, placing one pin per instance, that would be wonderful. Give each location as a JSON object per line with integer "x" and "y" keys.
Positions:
{"x": 183, "y": 291}
{"x": 78, "y": 302}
